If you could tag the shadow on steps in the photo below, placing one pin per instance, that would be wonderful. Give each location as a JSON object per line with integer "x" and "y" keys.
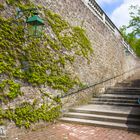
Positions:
{"x": 132, "y": 83}
{"x": 135, "y": 83}
{"x": 134, "y": 125}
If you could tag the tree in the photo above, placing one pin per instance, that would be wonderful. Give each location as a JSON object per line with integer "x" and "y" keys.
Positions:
{"x": 133, "y": 37}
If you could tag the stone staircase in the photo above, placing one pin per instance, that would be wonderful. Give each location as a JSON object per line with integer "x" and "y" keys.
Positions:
{"x": 117, "y": 108}
{"x": 118, "y": 96}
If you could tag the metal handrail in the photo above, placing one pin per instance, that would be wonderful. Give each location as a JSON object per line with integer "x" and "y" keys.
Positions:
{"x": 95, "y": 84}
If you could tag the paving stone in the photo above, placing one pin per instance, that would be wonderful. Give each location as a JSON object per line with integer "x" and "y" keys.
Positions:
{"x": 61, "y": 131}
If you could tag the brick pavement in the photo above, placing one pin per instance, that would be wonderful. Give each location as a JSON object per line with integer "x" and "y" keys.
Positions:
{"x": 66, "y": 131}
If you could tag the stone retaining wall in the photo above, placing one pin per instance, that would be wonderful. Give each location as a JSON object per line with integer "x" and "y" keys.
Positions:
{"x": 109, "y": 58}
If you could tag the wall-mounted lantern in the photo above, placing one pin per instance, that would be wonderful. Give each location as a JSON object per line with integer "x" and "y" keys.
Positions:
{"x": 35, "y": 24}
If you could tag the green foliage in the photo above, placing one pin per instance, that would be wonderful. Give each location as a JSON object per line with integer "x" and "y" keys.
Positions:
{"x": 134, "y": 23}
{"x": 70, "y": 37}
{"x": 83, "y": 42}
{"x": 1, "y": 6}
{"x": 14, "y": 90}
{"x": 133, "y": 37}
{"x": 56, "y": 22}
{"x": 1, "y": 116}
{"x": 12, "y": 87}
{"x": 17, "y": 2}
{"x": 26, "y": 113}
{"x": 55, "y": 99}
{"x": 11, "y": 40}
{"x": 32, "y": 61}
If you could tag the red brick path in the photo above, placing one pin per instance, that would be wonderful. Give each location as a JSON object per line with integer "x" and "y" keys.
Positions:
{"x": 66, "y": 131}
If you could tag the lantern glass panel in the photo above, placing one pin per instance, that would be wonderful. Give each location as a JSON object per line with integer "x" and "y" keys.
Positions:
{"x": 35, "y": 30}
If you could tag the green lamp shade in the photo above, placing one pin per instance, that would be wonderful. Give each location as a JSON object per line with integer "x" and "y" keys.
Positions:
{"x": 35, "y": 20}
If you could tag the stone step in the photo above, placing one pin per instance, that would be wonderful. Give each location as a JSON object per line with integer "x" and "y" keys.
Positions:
{"x": 124, "y": 88}
{"x": 123, "y": 92}
{"x": 115, "y": 100}
{"x": 102, "y": 123}
{"x": 108, "y": 110}
{"x": 107, "y": 118}
{"x": 127, "y": 84}
{"x": 119, "y": 96}
{"x": 115, "y": 103}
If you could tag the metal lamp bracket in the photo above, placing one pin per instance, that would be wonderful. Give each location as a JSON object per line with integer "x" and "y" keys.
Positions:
{"x": 20, "y": 13}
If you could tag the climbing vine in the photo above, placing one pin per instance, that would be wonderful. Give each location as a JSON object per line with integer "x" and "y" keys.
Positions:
{"x": 26, "y": 113}
{"x": 70, "y": 37}
{"x": 1, "y": 6}
{"x": 12, "y": 88}
{"x": 37, "y": 61}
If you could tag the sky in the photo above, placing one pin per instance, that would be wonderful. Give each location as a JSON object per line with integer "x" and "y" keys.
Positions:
{"x": 118, "y": 10}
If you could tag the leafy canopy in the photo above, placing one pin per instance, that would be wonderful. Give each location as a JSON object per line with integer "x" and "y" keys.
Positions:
{"x": 133, "y": 37}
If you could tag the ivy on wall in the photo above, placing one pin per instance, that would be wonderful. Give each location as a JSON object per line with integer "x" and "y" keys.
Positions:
{"x": 37, "y": 62}
{"x": 70, "y": 37}
{"x": 27, "y": 113}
